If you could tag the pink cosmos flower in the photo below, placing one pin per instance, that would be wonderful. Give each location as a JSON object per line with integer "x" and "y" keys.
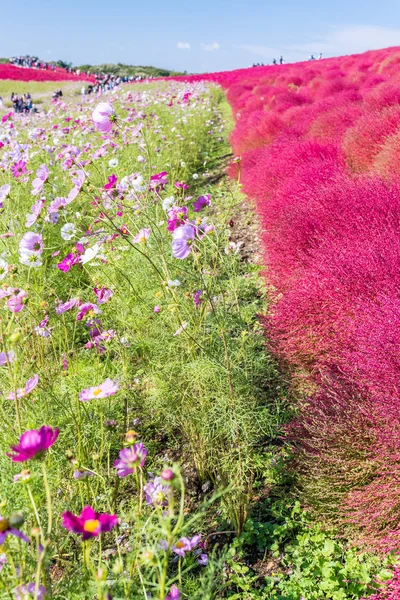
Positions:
{"x": 156, "y": 491}
{"x": 130, "y": 459}
{"x": 89, "y": 523}
{"x": 36, "y": 210}
{"x": 16, "y": 302}
{"x": 62, "y": 307}
{"x": 38, "y": 183}
{"x": 22, "y": 392}
{"x": 103, "y": 117}
{"x": 142, "y": 236}
{"x": 105, "y": 389}
{"x": 6, "y": 117}
{"x": 33, "y": 443}
{"x": 88, "y": 307}
{"x": 186, "y": 545}
{"x": 177, "y": 216}
{"x": 18, "y": 168}
{"x": 31, "y": 242}
{"x": 103, "y": 294}
{"x": 182, "y": 241}
{"x": 6, "y": 358}
{"x": 78, "y": 179}
{"x": 112, "y": 180}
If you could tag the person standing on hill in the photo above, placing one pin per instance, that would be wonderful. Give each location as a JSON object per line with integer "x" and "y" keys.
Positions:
{"x": 281, "y": 60}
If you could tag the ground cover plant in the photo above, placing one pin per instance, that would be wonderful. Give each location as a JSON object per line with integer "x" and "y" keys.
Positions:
{"x": 130, "y": 343}
{"x": 14, "y": 73}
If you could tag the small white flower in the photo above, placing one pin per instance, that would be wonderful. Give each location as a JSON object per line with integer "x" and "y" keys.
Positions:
{"x": 113, "y": 162}
{"x": 168, "y": 202}
{"x": 141, "y": 159}
{"x": 68, "y": 231}
{"x": 173, "y": 283}
{"x": 183, "y": 164}
{"x": 195, "y": 176}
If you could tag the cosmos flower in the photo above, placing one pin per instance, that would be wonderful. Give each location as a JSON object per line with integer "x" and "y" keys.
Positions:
{"x": 28, "y": 591}
{"x": 33, "y": 443}
{"x": 18, "y": 168}
{"x": 4, "y": 192}
{"x": 130, "y": 459}
{"x": 89, "y": 523}
{"x": 68, "y": 231}
{"x": 105, "y": 389}
{"x": 16, "y": 298}
{"x": 174, "y": 593}
{"x": 87, "y": 307}
{"x": 69, "y": 261}
{"x": 103, "y": 294}
{"x": 142, "y": 236}
{"x": 62, "y": 307}
{"x": 186, "y": 545}
{"x": 38, "y": 183}
{"x": 22, "y": 392}
{"x": 6, "y": 358}
{"x": 112, "y": 180}
{"x": 103, "y": 117}
{"x": 7, "y": 529}
{"x": 36, "y": 210}
{"x": 201, "y": 203}
{"x": 182, "y": 240}
{"x": 156, "y": 491}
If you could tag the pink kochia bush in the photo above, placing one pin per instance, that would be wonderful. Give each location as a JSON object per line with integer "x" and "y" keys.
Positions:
{"x": 319, "y": 152}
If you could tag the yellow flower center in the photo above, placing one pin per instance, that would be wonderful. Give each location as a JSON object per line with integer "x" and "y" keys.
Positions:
{"x": 97, "y": 392}
{"x": 91, "y": 525}
{"x": 179, "y": 545}
{"x": 4, "y": 525}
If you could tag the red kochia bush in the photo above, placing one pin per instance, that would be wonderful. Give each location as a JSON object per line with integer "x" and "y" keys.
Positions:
{"x": 332, "y": 247}
{"x": 8, "y": 71}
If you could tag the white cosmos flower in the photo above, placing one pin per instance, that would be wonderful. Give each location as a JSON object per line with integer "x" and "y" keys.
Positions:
{"x": 113, "y": 162}
{"x": 168, "y": 202}
{"x": 3, "y": 268}
{"x": 90, "y": 254}
{"x": 30, "y": 259}
{"x": 173, "y": 283}
{"x": 68, "y": 231}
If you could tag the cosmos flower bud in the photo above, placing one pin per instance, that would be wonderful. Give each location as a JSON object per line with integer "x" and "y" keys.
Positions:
{"x": 130, "y": 436}
{"x": 168, "y": 474}
{"x": 16, "y": 520}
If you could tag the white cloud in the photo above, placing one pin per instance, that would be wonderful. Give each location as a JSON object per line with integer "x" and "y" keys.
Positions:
{"x": 183, "y": 45}
{"x": 210, "y": 47}
{"x": 345, "y": 39}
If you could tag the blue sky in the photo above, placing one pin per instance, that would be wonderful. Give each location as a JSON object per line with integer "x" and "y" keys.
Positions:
{"x": 209, "y": 35}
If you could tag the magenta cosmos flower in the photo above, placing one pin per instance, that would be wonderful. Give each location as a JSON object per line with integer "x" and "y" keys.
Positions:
{"x": 18, "y": 168}
{"x": 22, "y": 392}
{"x": 105, "y": 389}
{"x": 33, "y": 443}
{"x": 89, "y": 309}
{"x": 201, "y": 203}
{"x": 103, "y": 117}
{"x": 182, "y": 240}
{"x": 130, "y": 459}
{"x": 174, "y": 593}
{"x": 89, "y": 524}
{"x": 103, "y": 294}
{"x": 112, "y": 180}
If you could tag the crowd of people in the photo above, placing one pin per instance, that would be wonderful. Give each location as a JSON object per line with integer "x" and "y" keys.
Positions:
{"x": 31, "y": 62}
{"x": 282, "y": 62}
{"x": 22, "y": 103}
